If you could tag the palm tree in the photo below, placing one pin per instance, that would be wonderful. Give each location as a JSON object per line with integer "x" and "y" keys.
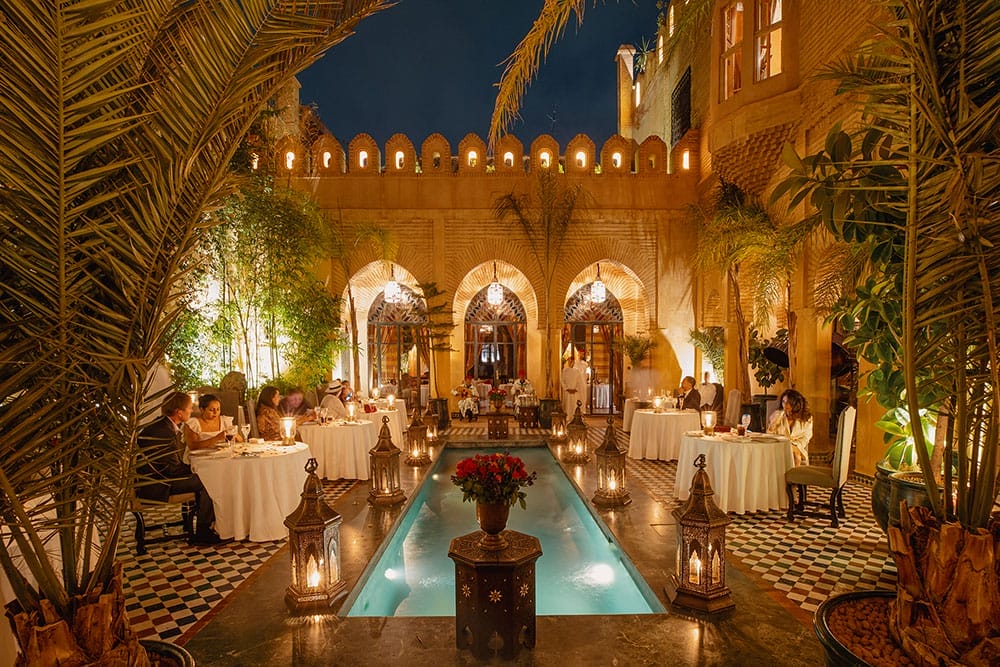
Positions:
{"x": 926, "y": 160}
{"x": 739, "y": 238}
{"x": 119, "y": 121}
{"x": 342, "y": 245}
{"x": 545, "y": 223}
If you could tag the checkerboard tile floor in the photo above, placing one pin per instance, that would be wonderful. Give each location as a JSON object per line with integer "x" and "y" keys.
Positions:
{"x": 174, "y": 585}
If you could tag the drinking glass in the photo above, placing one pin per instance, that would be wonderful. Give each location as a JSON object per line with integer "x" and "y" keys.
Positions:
{"x": 245, "y": 431}
{"x": 230, "y": 436}
{"x": 744, "y": 423}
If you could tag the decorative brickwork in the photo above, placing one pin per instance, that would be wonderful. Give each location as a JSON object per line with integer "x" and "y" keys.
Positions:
{"x": 750, "y": 162}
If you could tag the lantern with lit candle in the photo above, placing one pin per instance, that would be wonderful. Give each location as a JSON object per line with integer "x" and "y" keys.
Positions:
{"x": 611, "y": 462}
{"x": 352, "y": 411}
{"x": 287, "y": 430}
{"x": 576, "y": 451}
{"x": 700, "y": 579}
{"x": 558, "y": 417}
{"x": 432, "y": 431}
{"x": 657, "y": 404}
{"x": 375, "y": 393}
{"x": 383, "y": 469}
{"x": 314, "y": 543}
{"x": 416, "y": 434}
{"x": 390, "y": 400}
{"x": 708, "y": 421}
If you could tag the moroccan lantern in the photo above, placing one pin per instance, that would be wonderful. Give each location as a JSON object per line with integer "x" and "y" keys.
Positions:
{"x": 432, "y": 432}
{"x": 611, "y": 462}
{"x": 700, "y": 580}
{"x": 558, "y": 424}
{"x": 314, "y": 543}
{"x": 383, "y": 462}
{"x": 576, "y": 451}
{"x": 416, "y": 434}
{"x": 287, "y": 430}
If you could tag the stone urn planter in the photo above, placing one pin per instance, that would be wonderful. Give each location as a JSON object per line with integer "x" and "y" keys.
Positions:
{"x": 854, "y": 630}
{"x": 165, "y": 654}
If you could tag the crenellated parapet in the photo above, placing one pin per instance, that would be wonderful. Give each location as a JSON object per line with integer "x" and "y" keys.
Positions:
{"x": 580, "y": 157}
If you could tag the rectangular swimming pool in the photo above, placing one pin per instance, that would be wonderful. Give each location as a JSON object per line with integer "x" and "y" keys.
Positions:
{"x": 582, "y": 569}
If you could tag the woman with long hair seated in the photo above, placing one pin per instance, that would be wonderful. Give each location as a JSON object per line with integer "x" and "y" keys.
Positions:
{"x": 793, "y": 419}
{"x": 209, "y": 428}
{"x": 266, "y": 412}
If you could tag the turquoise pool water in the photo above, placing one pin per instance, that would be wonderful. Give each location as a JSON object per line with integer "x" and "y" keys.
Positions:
{"x": 582, "y": 570}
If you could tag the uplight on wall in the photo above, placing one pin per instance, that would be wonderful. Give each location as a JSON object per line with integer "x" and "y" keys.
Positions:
{"x": 289, "y": 160}
{"x": 399, "y": 159}
{"x": 616, "y": 160}
{"x": 545, "y": 158}
{"x": 508, "y": 159}
{"x": 472, "y": 159}
{"x": 363, "y": 159}
{"x": 327, "y": 156}
{"x": 581, "y": 159}
{"x": 638, "y": 93}
{"x": 685, "y": 159}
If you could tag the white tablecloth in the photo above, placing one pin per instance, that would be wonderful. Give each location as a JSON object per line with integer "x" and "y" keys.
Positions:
{"x": 658, "y": 436}
{"x": 252, "y": 495}
{"x": 602, "y": 396}
{"x": 398, "y": 423}
{"x": 631, "y": 405}
{"x": 341, "y": 448}
{"x": 747, "y": 474}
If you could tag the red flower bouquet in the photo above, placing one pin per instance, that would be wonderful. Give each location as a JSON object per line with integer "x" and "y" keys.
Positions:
{"x": 493, "y": 478}
{"x": 497, "y": 394}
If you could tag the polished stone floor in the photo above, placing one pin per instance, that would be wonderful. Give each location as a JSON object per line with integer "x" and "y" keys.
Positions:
{"x": 769, "y": 626}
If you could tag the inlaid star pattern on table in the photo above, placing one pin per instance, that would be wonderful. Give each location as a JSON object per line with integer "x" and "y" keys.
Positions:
{"x": 495, "y": 596}
{"x": 465, "y": 590}
{"x": 524, "y": 589}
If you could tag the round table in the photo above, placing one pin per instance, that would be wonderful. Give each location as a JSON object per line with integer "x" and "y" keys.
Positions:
{"x": 397, "y": 423}
{"x": 631, "y": 405}
{"x": 658, "y": 435}
{"x": 254, "y": 491}
{"x": 747, "y": 474}
{"x": 340, "y": 448}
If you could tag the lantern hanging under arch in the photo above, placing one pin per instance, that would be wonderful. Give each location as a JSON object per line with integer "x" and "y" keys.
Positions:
{"x": 392, "y": 293}
{"x": 416, "y": 436}
{"x": 577, "y": 450}
{"x": 700, "y": 579}
{"x": 494, "y": 293}
{"x": 611, "y": 463}
{"x": 383, "y": 471}
{"x": 598, "y": 292}
{"x": 314, "y": 544}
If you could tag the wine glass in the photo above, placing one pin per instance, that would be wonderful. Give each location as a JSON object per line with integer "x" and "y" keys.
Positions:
{"x": 745, "y": 421}
{"x": 245, "y": 431}
{"x": 230, "y": 436}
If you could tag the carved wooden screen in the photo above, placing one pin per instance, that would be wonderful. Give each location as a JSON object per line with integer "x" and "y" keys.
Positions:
{"x": 593, "y": 329}
{"x": 393, "y": 335}
{"x": 495, "y": 338}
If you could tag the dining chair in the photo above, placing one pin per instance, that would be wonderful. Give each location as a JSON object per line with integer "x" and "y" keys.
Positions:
{"x": 734, "y": 402}
{"x": 252, "y": 418}
{"x": 833, "y": 477}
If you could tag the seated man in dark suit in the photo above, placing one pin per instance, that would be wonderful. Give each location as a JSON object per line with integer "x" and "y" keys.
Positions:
{"x": 160, "y": 448}
{"x": 691, "y": 397}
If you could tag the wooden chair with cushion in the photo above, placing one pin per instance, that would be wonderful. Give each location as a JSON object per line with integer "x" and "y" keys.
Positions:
{"x": 833, "y": 477}
{"x": 733, "y": 406}
{"x": 140, "y": 505}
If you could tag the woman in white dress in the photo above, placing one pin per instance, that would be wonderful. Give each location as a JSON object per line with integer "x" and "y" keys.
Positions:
{"x": 209, "y": 428}
{"x": 793, "y": 420}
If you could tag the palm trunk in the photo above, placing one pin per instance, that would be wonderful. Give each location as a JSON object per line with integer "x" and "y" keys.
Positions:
{"x": 947, "y": 608}
{"x": 355, "y": 352}
{"x": 742, "y": 372}
{"x": 97, "y": 633}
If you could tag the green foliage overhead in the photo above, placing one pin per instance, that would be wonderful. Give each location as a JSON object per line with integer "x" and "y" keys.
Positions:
{"x": 712, "y": 343}
{"x": 637, "y": 347}
{"x": 766, "y": 372}
{"x": 119, "y": 120}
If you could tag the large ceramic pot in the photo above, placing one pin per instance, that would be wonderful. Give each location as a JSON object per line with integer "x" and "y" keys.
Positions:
{"x": 880, "y": 495}
{"x": 838, "y": 642}
{"x": 545, "y": 408}
{"x": 168, "y": 651}
{"x": 492, "y": 519}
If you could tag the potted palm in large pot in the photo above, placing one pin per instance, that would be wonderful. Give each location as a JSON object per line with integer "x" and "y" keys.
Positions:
{"x": 927, "y": 162}
{"x": 118, "y": 125}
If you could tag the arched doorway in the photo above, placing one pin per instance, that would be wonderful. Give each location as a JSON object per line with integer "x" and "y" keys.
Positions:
{"x": 495, "y": 338}
{"x": 595, "y": 329}
{"x": 396, "y": 350}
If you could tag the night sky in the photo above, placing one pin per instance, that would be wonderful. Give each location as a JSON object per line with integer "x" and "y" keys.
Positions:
{"x": 426, "y": 66}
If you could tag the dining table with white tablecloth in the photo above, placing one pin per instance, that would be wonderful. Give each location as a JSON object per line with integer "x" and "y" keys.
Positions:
{"x": 398, "y": 422}
{"x": 601, "y": 392}
{"x": 631, "y": 405}
{"x": 340, "y": 447}
{"x": 657, "y": 435}
{"x": 254, "y": 488}
{"x": 747, "y": 472}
